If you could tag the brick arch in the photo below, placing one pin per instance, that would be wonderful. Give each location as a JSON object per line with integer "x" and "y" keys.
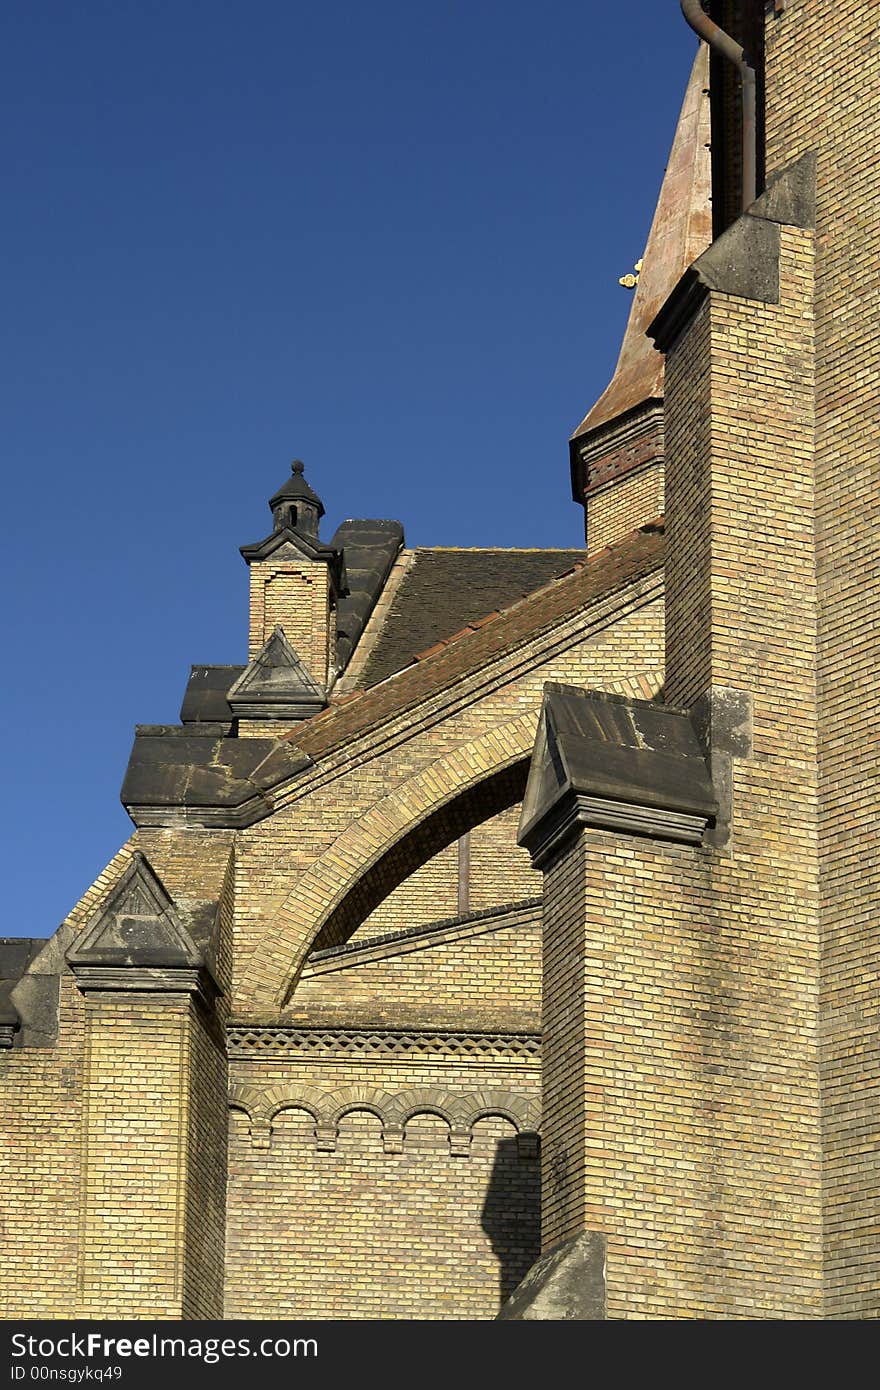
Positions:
{"x": 296, "y": 1097}
{"x": 420, "y": 1100}
{"x": 247, "y": 1099}
{"x": 357, "y": 1097}
{"x": 441, "y": 828}
{"x": 391, "y": 840}
{"x": 522, "y": 1112}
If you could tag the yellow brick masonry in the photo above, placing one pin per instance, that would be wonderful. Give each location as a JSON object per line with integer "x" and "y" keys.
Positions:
{"x": 427, "y": 895}
{"x": 616, "y": 509}
{"x": 152, "y": 1216}
{"x": 823, "y": 71}
{"x": 364, "y": 1233}
{"x": 491, "y": 978}
{"x": 685, "y": 1125}
{"x": 41, "y": 1109}
{"x": 700, "y": 969}
{"x": 41, "y": 1096}
{"x": 373, "y": 792}
{"x": 133, "y": 1158}
{"x": 112, "y": 1205}
{"x": 414, "y": 1234}
{"x": 498, "y": 872}
{"x": 153, "y": 1154}
{"x": 295, "y": 595}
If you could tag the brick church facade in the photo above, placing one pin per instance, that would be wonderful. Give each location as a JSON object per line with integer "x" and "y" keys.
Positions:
{"x": 502, "y": 938}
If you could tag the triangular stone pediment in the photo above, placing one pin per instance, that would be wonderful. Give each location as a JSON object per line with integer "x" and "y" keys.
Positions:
{"x": 294, "y": 542}
{"x": 137, "y": 925}
{"x": 276, "y": 685}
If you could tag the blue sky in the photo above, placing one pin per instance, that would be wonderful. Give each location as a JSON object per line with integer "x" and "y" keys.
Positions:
{"x": 384, "y": 238}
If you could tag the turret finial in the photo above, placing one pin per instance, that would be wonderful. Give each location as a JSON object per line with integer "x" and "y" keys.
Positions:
{"x": 296, "y": 505}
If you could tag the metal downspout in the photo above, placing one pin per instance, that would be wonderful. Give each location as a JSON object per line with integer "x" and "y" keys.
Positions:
{"x": 722, "y": 43}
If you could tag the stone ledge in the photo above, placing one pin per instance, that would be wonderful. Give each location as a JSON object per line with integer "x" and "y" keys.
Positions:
{"x": 420, "y": 938}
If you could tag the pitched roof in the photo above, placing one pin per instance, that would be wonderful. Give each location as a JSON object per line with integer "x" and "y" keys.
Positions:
{"x": 444, "y": 590}
{"x": 369, "y": 549}
{"x": 636, "y": 557}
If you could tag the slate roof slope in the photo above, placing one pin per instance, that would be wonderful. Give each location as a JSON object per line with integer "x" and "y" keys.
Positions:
{"x": 204, "y": 701}
{"x": 638, "y": 556}
{"x": 446, "y": 589}
{"x": 370, "y": 549}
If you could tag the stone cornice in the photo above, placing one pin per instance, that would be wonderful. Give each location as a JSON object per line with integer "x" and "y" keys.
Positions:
{"x": 97, "y": 980}
{"x": 576, "y": 810}
{"x": 634, "y": 767}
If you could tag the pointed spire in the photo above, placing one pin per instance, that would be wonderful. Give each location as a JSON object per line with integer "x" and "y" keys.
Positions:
{"x": 617, "y": 450}
{"x": 296, "y": 515}
{"x": 296, "y": 505}
{"x": 680, "y": 231}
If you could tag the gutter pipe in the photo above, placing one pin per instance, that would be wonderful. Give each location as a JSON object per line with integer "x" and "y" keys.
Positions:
{"x": 716, "y": 38}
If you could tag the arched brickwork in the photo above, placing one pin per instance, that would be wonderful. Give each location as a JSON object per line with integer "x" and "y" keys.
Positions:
{"x": 393, "y": 1109}
{"x": 391, "y": 840}
{"x": 373, "y": 855}
{"x": 447, "y": 824}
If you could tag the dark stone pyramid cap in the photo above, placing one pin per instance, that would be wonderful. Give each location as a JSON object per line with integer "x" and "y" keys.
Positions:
{"x": 296, "y": 489}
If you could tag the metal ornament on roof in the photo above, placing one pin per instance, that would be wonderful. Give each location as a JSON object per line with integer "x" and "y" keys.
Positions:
{"x": 630, "y": 281}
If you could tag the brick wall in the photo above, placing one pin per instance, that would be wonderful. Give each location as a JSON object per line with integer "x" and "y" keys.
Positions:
{"x": 729, "y": 937}
{"x": 500, "y": 872}
{"x": 823, "y": 80}
{"x": 41, "y": 1096}
{"x": 565, "y": 1118}
{"x": 417, "y": 1231}
{"x": 152, "y": 1226}
{"x": 42, "y": 1092}
{"x": 426, "y": 896}
{"x": 617, "y": 508}
{"x": 294, "y": 595}
{"x": 489, "y": 975}
{"x": 681, "y": 1113}
{"x": 131, "y": 1240}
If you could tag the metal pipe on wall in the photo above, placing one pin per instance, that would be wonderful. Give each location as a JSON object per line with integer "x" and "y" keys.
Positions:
{"x": 708, "y": 30}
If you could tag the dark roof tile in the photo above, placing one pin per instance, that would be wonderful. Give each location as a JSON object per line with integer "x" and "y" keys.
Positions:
{"x": 638, "y": 555}
{"x": 445, "y": 591}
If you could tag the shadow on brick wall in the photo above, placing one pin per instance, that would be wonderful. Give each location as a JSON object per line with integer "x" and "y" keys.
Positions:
{"x": 511, "y": 1214}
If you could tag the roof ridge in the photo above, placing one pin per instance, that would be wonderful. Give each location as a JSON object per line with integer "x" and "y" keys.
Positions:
{"x": 501, "y": 549}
